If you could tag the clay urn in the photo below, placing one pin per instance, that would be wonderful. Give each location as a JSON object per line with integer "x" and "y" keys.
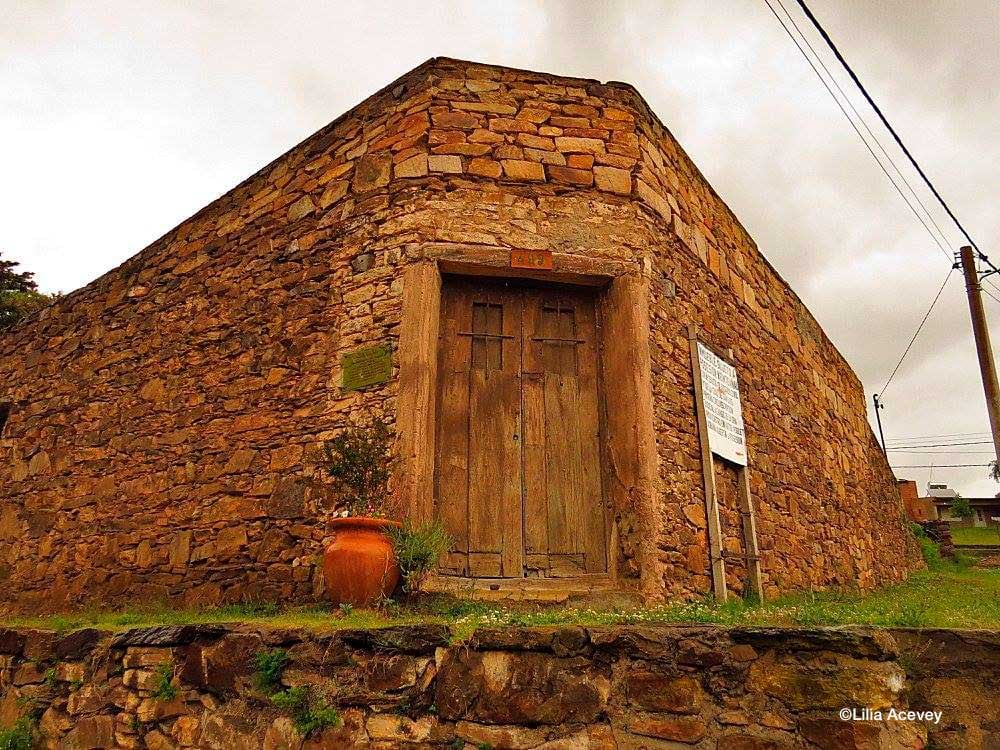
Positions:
{"x": 359, "y": 564}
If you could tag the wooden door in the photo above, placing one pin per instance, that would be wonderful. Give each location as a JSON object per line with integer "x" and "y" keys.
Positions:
{"x": 565, "y": 526}
{"x": 518, "y": 480}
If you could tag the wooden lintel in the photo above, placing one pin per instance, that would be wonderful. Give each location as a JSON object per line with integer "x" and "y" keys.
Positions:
{"x": 494, "y": 261}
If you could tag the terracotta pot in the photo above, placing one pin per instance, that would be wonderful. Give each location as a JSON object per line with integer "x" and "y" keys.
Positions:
{"x": 360, "y": 565}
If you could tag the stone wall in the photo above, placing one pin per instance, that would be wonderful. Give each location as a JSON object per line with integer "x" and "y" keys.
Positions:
{"x": 565, "y": 688}
{"x": 167, "y": 422}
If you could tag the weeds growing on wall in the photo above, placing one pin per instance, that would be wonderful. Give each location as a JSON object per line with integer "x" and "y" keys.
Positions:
{"x": 308, "y": 712}
{"x": 21, "y": 736}
{"x": 269, "y": 666}
{"x": 165, "y": 690}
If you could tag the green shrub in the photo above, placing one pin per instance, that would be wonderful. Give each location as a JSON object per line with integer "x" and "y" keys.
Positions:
{"x": 308, "y": 713}
{"x": 418, "y": 549}
{"x": 360, "y": 462}
{"x": 21, "y": 736}
{"x": 960, "y": 508}
{"x": 19, "y": 295}
{"x": 269, "y": 667}
{"x": 165, "y": 689}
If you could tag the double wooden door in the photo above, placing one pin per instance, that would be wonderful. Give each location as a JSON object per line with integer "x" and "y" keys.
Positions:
{"x": 518, "y": 470}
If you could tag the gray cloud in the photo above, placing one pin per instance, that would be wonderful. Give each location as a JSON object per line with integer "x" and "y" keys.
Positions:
{"x": 118, "y": 120}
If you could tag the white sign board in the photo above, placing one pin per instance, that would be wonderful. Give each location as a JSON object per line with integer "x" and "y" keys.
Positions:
{"x": 723, "y": 412}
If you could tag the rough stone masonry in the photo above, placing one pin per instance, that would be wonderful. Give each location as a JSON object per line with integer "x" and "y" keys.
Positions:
{"x": 568, "y": 688}
{"x": 166, "y": 422}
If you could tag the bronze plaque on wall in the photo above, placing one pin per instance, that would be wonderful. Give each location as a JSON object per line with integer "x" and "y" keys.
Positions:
{"x": 367, "y": 366}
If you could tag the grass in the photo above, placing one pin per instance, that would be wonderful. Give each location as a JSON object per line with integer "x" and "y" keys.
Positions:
{"x": 947, "y": 595}
{"x": 975, "y": 535}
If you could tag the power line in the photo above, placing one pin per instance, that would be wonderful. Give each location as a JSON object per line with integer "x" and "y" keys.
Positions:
{"x": 917, "y": 332}
{"x": 940, "y": 453}
{"x": 989, "y": 294}
{"x": 864, "y": 124}
{"x": 942, "y": 445}
{"x": 885, "y": 121}
{"x": 937, "y": 466}
{"x": 878, "y": 161}
{"x": 911, "y": 438}
{"x": 930, "y": 441}
{"x": 926, "y": 444}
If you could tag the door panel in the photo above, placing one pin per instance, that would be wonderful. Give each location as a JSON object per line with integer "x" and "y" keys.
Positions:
{"x": 593, "y": 511}
{"x": 560, "y": 363}
{"x": 494, "y": 434}
{"x": 518, "y": 479}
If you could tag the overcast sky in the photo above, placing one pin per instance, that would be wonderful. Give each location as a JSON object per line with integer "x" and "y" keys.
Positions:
{"x": 120, "y": 119}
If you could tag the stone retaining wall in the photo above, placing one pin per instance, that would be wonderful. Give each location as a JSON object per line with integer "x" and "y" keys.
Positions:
{"x": 566, "y": 688}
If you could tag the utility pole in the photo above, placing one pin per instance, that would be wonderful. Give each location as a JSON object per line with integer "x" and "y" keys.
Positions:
{"x": 878, "y": 418}
{"x": 983, "y": 348}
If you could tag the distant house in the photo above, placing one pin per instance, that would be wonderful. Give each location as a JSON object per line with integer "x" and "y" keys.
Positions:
{"x": 917, "y": 508}
{"x": 938, "y": 504}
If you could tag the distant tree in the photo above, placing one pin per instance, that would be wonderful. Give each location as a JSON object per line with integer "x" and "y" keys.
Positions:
{"x": 995, "y": 471}
{"x": 19, "y": 293}
{"x": 960, "y": 508}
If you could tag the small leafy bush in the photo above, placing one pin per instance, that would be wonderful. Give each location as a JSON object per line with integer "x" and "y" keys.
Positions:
{"x": 21, "y": 736}
{"x": 360, "y": 462}
{"x": 418, "y": 549}
{"x": 308, "y": 713}
{"x": 165, "y": 689}
{"x": 960, "y": 508}
{"x": 269, "y": 666}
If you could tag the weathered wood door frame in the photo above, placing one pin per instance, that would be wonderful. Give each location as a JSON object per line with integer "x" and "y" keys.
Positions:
{"x": 629, "y": 456}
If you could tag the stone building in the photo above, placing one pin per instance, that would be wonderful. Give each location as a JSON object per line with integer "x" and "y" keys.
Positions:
{"x": 537, "y": 253}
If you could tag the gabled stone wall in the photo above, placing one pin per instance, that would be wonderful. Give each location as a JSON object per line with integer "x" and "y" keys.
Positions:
{"x": 167, "y": 422}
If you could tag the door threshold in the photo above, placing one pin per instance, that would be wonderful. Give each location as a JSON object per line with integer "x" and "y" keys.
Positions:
{"x": 543, "y": 590}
